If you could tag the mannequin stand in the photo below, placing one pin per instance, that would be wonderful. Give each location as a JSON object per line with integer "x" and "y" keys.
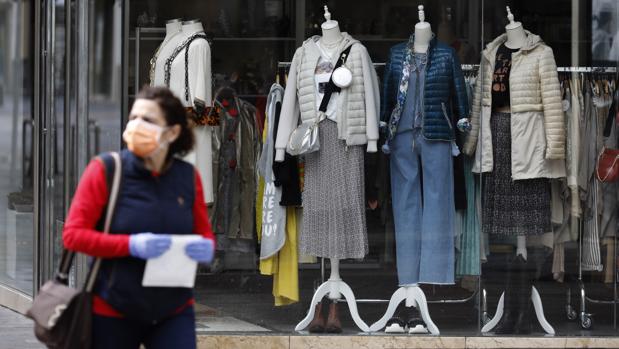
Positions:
{"x": 414, "y": 297}
{"x": 335, "y": 288}
{"x": 539, "y": 312}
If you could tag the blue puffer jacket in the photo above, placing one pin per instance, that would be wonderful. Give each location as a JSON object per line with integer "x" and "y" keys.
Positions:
{"x": 445, "y": 91}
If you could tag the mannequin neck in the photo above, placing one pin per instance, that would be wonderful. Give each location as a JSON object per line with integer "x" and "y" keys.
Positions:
{"x": 172, "y": 28}
{"x": 192, "y": 28}
{"x": 516, "y": 36}
{"x": 331, "y": 34}
{"x": 423, "y": 35}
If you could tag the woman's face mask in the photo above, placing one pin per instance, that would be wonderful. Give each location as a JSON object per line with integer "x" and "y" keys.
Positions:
{"x": 144, "y": 138}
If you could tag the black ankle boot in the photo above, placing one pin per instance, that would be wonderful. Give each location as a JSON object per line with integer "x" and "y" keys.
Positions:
{"x": 523, "y": 320}
{"x": 508, "y": 320}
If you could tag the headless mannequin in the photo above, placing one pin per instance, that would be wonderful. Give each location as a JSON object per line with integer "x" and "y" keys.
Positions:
{"x": 172, "y": 38}
{"x": 199, "y": 88}
{"x": 423, "y": 33}
{"x": 516, "y": 38}
{"x": 412, "y": 294}
{"x": 331, "y": 35}
{"x": 334, "y": 288}
{"x": 515, "y": 32}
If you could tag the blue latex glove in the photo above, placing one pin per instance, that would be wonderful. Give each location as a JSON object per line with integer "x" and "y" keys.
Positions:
{"x": 201, "y": 251}
{"x": 148, "y": 245}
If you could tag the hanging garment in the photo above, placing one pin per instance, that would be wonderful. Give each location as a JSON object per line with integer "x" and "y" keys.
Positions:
{"x": 469, "y": 259}
{"x": 591, "y": 254}
{"x": 237, "y": 146}
{"x": 609, "y": 190}
{"x": 273, "y": 215}
{"x": 284, "y": 266}
{"x": 287, "y": 174}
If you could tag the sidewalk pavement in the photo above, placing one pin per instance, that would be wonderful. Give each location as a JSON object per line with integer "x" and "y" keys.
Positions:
{"x": 16, "y": 331}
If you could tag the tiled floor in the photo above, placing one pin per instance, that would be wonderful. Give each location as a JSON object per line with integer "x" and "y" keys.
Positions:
{"x": 16, "y": 331}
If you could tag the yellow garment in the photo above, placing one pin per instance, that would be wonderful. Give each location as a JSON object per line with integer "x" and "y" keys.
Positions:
{"x": 284, "y": 265}
{"x": 260, "y": 191}
{"x": 259, "y": 196}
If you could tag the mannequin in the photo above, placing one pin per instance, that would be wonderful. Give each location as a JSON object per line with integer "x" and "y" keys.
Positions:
{"x": 343, "y": 233}
{"x": 173, "y": 37}
{"x": 197, "y": 95}
{"x": 515, "y": 40}
{"x": 516, "y": 192}
{"x": 424, "y": 239}
{"x": 423, "y": 32}
{"x": 515, "y": 32}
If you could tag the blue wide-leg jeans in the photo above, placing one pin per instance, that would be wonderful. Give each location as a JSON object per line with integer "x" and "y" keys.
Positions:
{"x": 423, "y": 210}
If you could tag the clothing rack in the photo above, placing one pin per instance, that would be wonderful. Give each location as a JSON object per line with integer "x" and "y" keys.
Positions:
{"x": 474, "y": 67}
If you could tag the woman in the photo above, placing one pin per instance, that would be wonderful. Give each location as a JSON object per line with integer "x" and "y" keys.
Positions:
{"x": 159, "y": 195}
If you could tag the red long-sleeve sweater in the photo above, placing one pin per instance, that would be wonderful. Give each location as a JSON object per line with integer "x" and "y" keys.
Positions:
{"x": 87, "y": 208}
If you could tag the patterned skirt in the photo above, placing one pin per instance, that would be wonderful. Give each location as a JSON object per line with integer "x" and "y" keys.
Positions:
{"x": 334, "y": 223}
{"x": 520, "y": 207}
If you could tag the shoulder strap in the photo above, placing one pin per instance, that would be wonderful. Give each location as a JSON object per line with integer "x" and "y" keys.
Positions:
{"x": 113, "y": 172}
{"x": 109, "y": 214}
{"x": 331, "y": 87}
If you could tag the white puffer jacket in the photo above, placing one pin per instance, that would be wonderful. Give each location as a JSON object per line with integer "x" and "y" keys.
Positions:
{"x": 537, "y": 120}
{"x": 357, "y": 105}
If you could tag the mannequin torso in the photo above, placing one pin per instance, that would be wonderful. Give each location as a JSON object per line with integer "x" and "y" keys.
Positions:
{"x": 173, "y": 37}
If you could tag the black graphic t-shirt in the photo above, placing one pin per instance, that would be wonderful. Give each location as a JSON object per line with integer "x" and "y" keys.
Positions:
{"x": 500, "y": 77}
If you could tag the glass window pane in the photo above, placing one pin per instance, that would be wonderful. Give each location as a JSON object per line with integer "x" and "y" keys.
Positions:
{"x": 16, "y": 145}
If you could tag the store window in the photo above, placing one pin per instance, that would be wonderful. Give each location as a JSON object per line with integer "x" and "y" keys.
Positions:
{"x": 515, "y": 226}
{"x": 17, "y": 244}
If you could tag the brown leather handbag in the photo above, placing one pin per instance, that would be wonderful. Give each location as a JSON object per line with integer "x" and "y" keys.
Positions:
{"x": 607, "y": 167}
{"x": 63, "y": 315}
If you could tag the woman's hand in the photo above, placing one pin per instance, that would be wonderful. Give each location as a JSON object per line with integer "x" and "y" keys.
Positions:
{"x": 201, "y": 251}
{"x": 148, "y": 245}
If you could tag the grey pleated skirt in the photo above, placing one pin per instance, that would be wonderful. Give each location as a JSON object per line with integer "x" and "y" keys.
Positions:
{"x": 334, "y": 223}
{"x": 520, "y": 207}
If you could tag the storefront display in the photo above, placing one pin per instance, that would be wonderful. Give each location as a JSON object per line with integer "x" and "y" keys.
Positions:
{"x": 183, "y": 63}
{"x": 452, "y": 188}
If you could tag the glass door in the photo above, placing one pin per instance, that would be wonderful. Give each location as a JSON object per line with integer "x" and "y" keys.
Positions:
{"x": 17, "y": 145}
{"x": 58, "y": 124}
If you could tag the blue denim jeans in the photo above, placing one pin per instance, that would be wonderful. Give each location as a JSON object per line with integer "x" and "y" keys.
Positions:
{"x": 423, "y": 210}
{"x": 177, "y": 331}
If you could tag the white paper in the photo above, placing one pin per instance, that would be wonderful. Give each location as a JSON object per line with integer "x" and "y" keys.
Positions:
{"x": 173, "y": 268}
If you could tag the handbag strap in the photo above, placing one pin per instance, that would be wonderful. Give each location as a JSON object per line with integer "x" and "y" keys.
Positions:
{"x": 109, "y": 214}
{"x": 331, "y": 87}
{"x": 110, "y": 161}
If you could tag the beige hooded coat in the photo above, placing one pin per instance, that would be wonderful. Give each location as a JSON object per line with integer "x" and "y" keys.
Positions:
{"x": 537, "y": 120}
